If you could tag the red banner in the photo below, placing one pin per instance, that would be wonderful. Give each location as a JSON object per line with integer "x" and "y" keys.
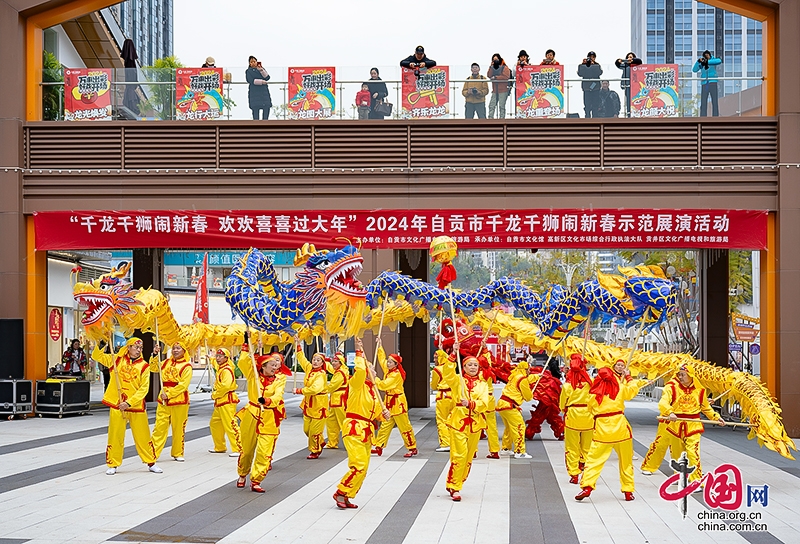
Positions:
{"x": 54, "y": 322}
{"x": 86, "y": 94}
{"x": 312, "y": 93}
{"x": 471, "y": 229}
{"x": 654, "y": 90}
{"x": 540, "y": 91}
{"x": 198, "y": 94}
{"x": 201, "y": 297}
{"x": 425, "y": 95}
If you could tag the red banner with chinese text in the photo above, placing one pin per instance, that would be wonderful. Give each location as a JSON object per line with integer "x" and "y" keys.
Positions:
{"x": 654, "y": 90}
{"x": 87, "y": 95}
{"x": 312, "y": 93}
{"x": 201, "y": 296}
{"x": 471, "y": 229}
{"x": 426, "y": 96}
{"x": 540, "y": 91}
{"x": 198, "y": 93}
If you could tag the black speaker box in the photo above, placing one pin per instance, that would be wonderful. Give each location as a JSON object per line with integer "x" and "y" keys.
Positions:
{"x": 12, "y": 363}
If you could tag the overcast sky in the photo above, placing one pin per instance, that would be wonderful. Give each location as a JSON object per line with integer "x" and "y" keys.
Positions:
{"x": 355, "y": 35}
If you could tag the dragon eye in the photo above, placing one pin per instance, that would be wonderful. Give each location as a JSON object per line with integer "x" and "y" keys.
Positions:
{"x": 104, "y": 286}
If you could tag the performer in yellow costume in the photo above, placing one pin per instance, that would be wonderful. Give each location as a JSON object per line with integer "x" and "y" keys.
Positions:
{"x": 607, "y": 396}
{"x": 684, "y": 398}
{"x": 466, "y": 421}
{"x": 516, "y": 392}
{"x": 315, "y": 399}
{"x": 173, "y": 401}
{"x": 261, "y": 418}
{"x": 363, "y": 408}
{"x": 125, "y": 396}
{"x": 578, "y": 424}
{"x": 657, "y": 450}
{"x": 393, "y": 378}
{"x": 491, "y": 416}
{"x": 337, "y": 389}
{"x": 444, "y": 401}
{"x": 223, "y": 419}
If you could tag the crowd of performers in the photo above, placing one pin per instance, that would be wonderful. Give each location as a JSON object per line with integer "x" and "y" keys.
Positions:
{"x": 335, "y": 402}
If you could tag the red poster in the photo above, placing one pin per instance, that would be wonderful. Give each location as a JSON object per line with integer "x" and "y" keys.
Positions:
{"x": 471, "y": 229}
{"x": 54, "y": 323}
{"x": 312, "y": 93}
{"x": 425, "y": 95}
{"x": 86, "y": 94}
{"x": 654, "y": 90}
{"x": 540, "y": 91}
{"x": 201, "y": 296}
{"x": 198, "y": 93}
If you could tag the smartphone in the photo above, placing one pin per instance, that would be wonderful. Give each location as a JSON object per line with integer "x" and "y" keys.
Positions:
{"x": 258, "y": 64}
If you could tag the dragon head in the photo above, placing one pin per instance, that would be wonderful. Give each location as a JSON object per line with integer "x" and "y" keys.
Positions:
{"x": 104, "y": 298}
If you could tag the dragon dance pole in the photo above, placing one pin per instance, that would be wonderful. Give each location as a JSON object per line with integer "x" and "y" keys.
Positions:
{"x": 209, "y": 366}
{"x": 708, "y": 421}
{"x": 586, "y": 332}
{"x": 116, "y": 376}
{"x": 378, "y": 343}
{"x": 455, "y": 337}
{"x": 638, "y": 334}
{"x": 488, "y": 331}
{"x": 550, "y": 356}
{"x": 160, "y": 385}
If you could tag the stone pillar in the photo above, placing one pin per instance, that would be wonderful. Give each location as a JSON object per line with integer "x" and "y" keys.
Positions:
{"x": 414, "y": 342}
{"x": 714, "y": 306}
{"x": 148, "y": 270}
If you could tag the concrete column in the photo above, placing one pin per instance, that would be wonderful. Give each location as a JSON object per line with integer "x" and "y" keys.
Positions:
{"x": 714, "y": 307}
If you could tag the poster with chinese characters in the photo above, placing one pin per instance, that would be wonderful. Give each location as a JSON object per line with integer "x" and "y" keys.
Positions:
{"x": 87, "y": 95}
{"x": 425, "y": 95}
{"x": 198, "y": 94}
{"x": 654, "y": 90}
{"x": 312, "y": 93}
{"x": 540, "y": 91}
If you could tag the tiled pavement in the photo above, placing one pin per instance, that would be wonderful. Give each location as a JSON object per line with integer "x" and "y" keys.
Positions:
{"x": 53, "y": 489}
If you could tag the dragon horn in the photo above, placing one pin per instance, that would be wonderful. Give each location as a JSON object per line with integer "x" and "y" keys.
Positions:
{"x": 345, "y": 239}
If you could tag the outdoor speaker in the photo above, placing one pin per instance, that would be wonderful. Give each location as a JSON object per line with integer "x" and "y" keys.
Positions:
{"x": 12, "y": 363}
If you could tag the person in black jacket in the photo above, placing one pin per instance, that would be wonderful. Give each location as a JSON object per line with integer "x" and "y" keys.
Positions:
{"x": 589, "y": 69}
{"x": 418, "y": 61}
{"x": 609, "y": 101}
{"x": 258, "y": 91}
{"x": 625, "y": 65}
{"x": 377, "y": 92}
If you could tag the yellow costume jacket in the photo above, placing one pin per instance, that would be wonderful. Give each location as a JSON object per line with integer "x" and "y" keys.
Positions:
{"x": 437, "y": 380}
{"x": 271, "y": 389}
{"x": 337, "y": 386}
{"x": 516, "y": 391}
{"x": 134, "y": 378}
{"x": 392, "y": 383}
{"x": 315, "y": 396}
{"x": 685, "y": 402}
{"x": 575, "y": 405}
{"x": 363, "y": 405}
{"x": 225, "y": 385}
{"x": 175, "y": 379}
{"x": 472, "y": 418}
{"x": 610, "y": 423}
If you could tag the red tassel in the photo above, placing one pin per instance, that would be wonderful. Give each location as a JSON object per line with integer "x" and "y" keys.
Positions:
{"x": 446, "y": 275}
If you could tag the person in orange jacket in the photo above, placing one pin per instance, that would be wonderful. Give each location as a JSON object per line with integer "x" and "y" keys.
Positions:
{"x": 516, "y": 392}
{"x": 337, "y": 389}
{"x": 261, "y": 417}
{"x": 125, "y": 398}
{"x": 607, "y": 396}
{"x": 223, "y": 418}
{"x": 363, "y": 409}
{"x": 315, "y": 399}
{"x": 579, "y": 424}
{"x": 173, "y": 400}
{"x": 392, "y": 383}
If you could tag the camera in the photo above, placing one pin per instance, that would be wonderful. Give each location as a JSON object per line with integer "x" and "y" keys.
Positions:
{"x": 474, "y": 90}
{"x": 416, "y": 73}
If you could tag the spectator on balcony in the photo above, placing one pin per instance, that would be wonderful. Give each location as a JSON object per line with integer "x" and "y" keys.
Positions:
{"x": 377, "y": 91}
{"x": 625, "y": 65}
{"x": 258, "y": 91}
{"x": 419, "y": 61}
{"x": 209, "y": 63}
{"x": 502, "y": 82}
{"x": 523, "y": 59}
{"x": 707, "y": 66}
{"x": 589, "y": 70}
{"x": 609, "y": 101}
{"x": 474, "y": 93}
{"x": 549, "y": 59}
{"x": 363, "y": 101}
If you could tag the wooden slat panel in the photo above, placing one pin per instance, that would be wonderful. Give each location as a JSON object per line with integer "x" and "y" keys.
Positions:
{"x": 653, "y": 143}
{"x": 63, "y": 145}
{"x": 356, "y": 146}
{"x": 539, "y": 144}
{"x": 265, "y": 146}
{"x": 733, "y": 143}
{"x": 170, "y": 146}
{"x": 457, "y": 145}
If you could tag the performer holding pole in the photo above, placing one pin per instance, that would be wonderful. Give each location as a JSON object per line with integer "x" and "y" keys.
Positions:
{"x": 337, "y": 389}
{"x": 392, "y": 383}
{"x": 173, "y": 400}
{"x": 223, "y": 419}
{"x": 578, "y": 421}
{"x": 315, "y": 399}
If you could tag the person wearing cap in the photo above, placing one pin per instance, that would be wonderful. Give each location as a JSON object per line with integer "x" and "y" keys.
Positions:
{"x": 392, "y": 383}
{"x": 315, "y": 399}
{"x": 516, "y": 392}
{"x": 209, "y": 63}
{"x": 130, "y": 381}
{"x": 684, "y": 398}
{"x": 262, "y": 415}
{"x": 590, "y": 70}
{"x": 337, "y": 389}
{"x": 502, "y": 82}
{"x": 466, "y": 421}
{"x": 418, "y": 61}
{"x": 706, "y": 65}
{"x": 444, "y": 400}
{"x": 363, "y": 409}
{"x": 578, "y": 421}
{"x": 173, "y": 400}
{"x": 223, "y": 420}
{"x": 607, "y": 396}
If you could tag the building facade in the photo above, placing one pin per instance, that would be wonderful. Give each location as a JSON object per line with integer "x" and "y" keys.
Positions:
{"x": 149, "y": 24}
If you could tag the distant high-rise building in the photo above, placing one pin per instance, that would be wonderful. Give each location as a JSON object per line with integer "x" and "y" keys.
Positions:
{"x": 149, "y": 24}
{"x": 678, "y": 31}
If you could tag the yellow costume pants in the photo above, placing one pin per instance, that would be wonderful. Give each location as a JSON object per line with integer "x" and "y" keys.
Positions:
{"x": 358, "y": 453}
{"x": 314, "y": 429}
{"x": 443, "y": 409}
{"x": 658, "y": 449}
{"x": 597, "y": 456}
{"x": 116, "y": 437}
{"x": 406, "y": 431}
{"x": 166, "y": 417}
{"x": 223, "y": 422}
{"x": 255, "y": 447}
{"x": 491, "y": 431}
{"x": 690, "y": 445}
{"x": 576, "y": 448}
{"x": 462, "y": 449}
{"x": 514, "y": 432}
{"x": 334, "y": 424}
